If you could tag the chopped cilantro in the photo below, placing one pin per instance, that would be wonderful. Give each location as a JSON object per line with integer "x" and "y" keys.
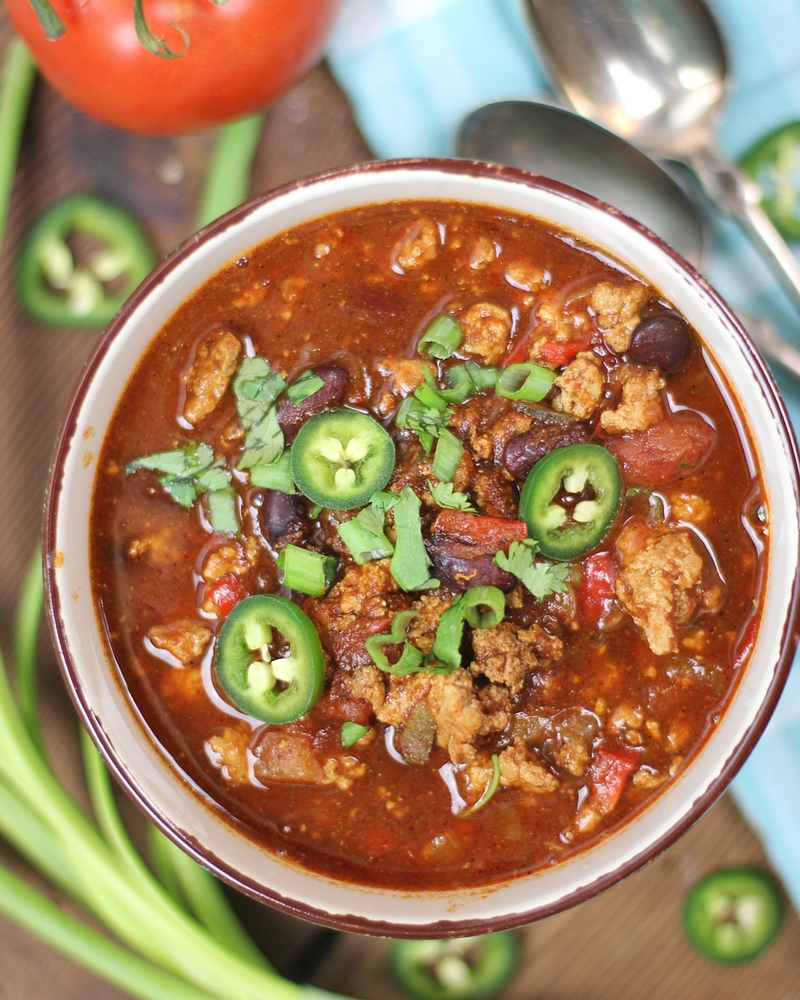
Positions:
{"x": 427, "y": 421}
{"x": 410, "y": 565}
{"x": 304, "y": 385}
{"x": 541, "y": 578}
{"x": 256, "y": 388}
{"x": 189, "y": 471}
{"x": 185, "y": 472}
{"x": 446, "y": 496}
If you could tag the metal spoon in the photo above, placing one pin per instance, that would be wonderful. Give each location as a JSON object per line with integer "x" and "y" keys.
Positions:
{"x": 655, "y": 72}
{"x": 559, "y": 144}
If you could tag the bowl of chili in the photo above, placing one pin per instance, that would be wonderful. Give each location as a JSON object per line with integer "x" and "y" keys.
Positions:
{"x": 421, "y": 547}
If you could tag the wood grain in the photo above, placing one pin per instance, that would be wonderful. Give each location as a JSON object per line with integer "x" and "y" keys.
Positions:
{"x": 627, "y": 943}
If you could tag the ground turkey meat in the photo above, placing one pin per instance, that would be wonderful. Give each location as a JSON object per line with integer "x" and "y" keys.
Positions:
{"x": 506, "y": 654}
{"x": 486, "y": 328}
{"x": 418, "y": 247}
{"x": 617, "y": 309}
{"x": 659, "y": 584}
{"x": 214, "y": 364}
{"x": 186, "y": 641}
{"x": 581, "y": 384}
{"x": 362, "y": 604}
{"x": 640, "y": 405}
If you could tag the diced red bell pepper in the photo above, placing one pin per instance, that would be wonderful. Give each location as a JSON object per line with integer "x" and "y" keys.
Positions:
{"x": 518, "y": 353}
{"x": 225, "y": 593}
{"x": 610, "y": 771}
{"x": 596, "y": 592}
{"x": 480, "y": 529}
{"x": 556, "y": 353}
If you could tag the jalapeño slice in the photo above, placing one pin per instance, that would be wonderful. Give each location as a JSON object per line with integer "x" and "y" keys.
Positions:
{"x": 733, "y": 914}
{"x": 341, "y": 457}
{"x": 272, "y": 688}
{"x": 570, "y": 500}
{"x": 458, "y": 969}
{"x": 55, "y": 289}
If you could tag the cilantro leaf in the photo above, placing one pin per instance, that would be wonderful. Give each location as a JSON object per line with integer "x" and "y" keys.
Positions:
{"x": 304, "y": 385}
{"x": 540, "y": 578}
{"x": 411, "y": 564}
{"x": 426, "y": 421}
{"x": 446, "y": 496}
{"x": 256, "y": 387}
{"x": 186, "y": 472}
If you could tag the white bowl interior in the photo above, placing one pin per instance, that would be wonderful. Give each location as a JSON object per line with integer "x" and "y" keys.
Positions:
{"x": 121, "y": 733}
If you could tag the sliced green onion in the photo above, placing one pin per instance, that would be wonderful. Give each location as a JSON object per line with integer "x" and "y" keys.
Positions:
{"x": 447, "y": 456}
{"x": 525, "y": 381}
{"x": 411, "y": 658}
{"x": 229, "y": 173}
{"x": 449, "y": 633}
{"x": 410, "y": 565}
{"x": 222, "y": 511}
{"x": 480, "y": 607}
{"x": 483, "y": 376}
{"x": 426, "y": 421}
{"x": 461, "y": 386}
{"x": 441, "y": 339}
{"x": 306, "y": 571}
{"x": 430, "y": 397}
{"x": 491, "y": 788}
{"x": 275, "y": 475}
{"x": 352, "y": 732}
{"x": 484, "y": 607}
{"x": 304, "y": 385}
{"x": 364, "y": 535}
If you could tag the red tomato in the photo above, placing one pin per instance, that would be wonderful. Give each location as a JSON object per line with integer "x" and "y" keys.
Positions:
{"x": 225, "y": 594}
{"x": 557, "y": 354}
{"x": 678, "y": 443}
{"x": 610, "y": 772}
{"x": 596, "y": 593}
{"x": 238, "y": 57}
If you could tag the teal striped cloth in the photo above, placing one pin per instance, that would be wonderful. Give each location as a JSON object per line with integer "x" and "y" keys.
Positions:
{"x": 414, "y": 68}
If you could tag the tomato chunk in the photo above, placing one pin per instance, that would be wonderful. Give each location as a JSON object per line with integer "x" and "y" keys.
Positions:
{"x": 496, "y": 532}
{"x": 596, "y": 593}
{"x": 225, "y": 593}
{"x": 677, "y": 444}
{"x": 610, "y": 772}
{"x": 556, "y": 354}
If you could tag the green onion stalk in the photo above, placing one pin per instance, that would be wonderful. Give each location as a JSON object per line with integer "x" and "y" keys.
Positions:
{"x": 176, "y": 940}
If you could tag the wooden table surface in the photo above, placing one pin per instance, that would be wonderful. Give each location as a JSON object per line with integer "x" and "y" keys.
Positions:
{"x": 626, "y": 944}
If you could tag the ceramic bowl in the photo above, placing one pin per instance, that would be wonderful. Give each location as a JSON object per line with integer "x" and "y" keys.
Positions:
{"x": 169, "y": 799}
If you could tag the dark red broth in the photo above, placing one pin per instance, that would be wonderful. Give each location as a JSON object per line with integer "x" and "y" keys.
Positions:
{"x": 587, "y": 702}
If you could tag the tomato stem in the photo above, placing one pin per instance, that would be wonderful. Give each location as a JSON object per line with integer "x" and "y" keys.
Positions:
{"x": 53, "y": 26}
{"x": 151, "y": 41}
{"x": 228, "y": 179}
{"x": 19, "y": 73}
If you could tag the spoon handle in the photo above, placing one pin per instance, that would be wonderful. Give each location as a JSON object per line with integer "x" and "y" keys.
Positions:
{"x": 732, "y": 191}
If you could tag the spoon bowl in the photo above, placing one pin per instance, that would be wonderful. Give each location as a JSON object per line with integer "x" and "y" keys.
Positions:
{"x": 655, "y": 71}
{"x": 556, "y": 143}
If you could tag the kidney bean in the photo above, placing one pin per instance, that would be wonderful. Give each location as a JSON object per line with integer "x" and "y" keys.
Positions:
{"x": 524, "y": 450}
{"x": 461, "y": 565}
{"x": 291, "y": 416}
{"x": 663, "y": 342}
{"x": 282, "y": 518}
